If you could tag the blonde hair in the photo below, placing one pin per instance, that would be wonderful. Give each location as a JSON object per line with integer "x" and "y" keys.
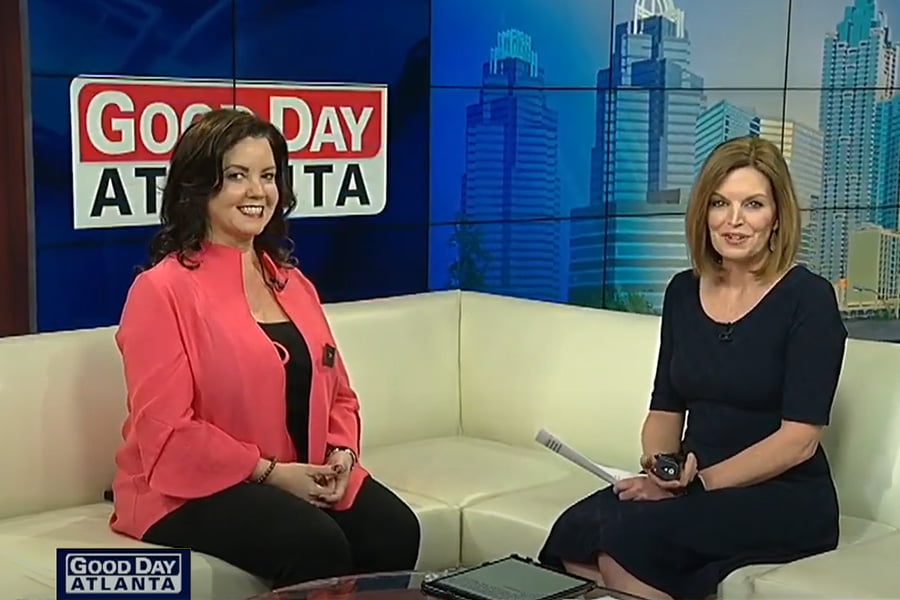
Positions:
{"x": 765, "y": 157}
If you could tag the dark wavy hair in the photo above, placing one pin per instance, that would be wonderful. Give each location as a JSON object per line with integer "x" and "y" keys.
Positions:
{"x": 196, "y": 172}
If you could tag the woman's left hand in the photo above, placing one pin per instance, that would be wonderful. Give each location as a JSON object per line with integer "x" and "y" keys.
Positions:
{"x": 343, "y": 463}
{"x": 640, "y": 488}
{"x": 688, "y": 472}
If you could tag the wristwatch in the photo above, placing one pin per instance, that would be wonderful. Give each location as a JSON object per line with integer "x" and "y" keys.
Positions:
{"x": 353, "y": 458}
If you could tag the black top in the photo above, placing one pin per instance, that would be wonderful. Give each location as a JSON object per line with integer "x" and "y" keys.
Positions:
{"x": 295, "y": 355}
{"x": 782, "y": 360}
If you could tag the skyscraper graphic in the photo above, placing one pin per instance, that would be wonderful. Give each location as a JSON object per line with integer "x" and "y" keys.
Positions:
{"x": 802, "y": 150}
{"x": 511, "y": 186}
{"x": 859, "y": 66}
{"x": 721, "y": 122}
{"x": 887, "y": 161}
{"x": 642, "y": 162}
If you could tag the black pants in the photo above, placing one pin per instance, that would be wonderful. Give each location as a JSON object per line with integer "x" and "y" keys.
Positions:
{"x": 280, "y": 538}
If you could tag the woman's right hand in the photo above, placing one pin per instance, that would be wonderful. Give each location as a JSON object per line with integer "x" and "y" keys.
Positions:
{"x": 308, "y": 482}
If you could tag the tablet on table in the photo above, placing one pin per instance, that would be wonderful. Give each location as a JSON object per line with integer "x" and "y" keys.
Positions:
{"x": 510, "y": 578}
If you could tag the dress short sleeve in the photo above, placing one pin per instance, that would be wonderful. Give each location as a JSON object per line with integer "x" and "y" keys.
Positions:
{"x": 664, "y": 397}
{"x": 814, "y": 356}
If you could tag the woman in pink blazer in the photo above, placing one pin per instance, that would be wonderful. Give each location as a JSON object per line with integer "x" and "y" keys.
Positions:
{"x": 243, "y": 430}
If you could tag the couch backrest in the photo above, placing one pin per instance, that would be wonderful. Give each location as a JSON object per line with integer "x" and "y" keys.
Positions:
{"x": 581, "y": 373}
{"x": 403, "y": 357}
{"x": 586, "y": 375}
{"x": 62, "y": 403}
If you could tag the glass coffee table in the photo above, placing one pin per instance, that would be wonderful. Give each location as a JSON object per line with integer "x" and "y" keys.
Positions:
{"x": 402, "y": 585}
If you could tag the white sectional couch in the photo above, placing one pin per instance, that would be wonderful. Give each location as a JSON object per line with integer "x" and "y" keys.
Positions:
{"x": 453, "y": 387}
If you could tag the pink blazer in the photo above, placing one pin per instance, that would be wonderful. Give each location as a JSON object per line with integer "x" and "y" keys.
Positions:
{"x": 206, "y": 387}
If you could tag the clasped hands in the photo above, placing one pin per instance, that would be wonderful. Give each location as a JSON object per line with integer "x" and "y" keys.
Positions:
{"x": 320, "y": 485}
{"x": 651, "y": 487}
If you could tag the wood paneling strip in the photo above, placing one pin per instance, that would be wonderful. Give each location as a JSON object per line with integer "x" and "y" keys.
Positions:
{"x": 15, "y": 206}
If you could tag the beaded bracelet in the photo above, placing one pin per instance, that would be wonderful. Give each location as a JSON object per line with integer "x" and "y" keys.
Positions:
{"x": 265, "y": 475}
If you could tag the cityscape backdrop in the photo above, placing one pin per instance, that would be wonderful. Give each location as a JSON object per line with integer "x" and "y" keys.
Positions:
{"x": 539, "y": 148}
{"x": 567, "y": 156}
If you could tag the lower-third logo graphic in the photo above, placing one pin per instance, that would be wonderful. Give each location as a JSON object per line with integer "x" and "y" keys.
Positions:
{"x": 123, "y": 574}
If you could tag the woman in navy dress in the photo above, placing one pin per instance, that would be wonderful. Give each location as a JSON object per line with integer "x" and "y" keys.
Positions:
{"x": 751, "y": 349}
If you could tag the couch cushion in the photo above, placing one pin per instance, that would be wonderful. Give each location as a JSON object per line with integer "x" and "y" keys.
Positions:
{"x": 402, "y": 355}
{"x": 867, "y": 569}
{"x": 28, "y": 549}
{"x": 518, "y": 521}
{"x": 461, "y": 470}
{"x": 28, "y": 553}
{"x": 439, "y": 523}
{"x": 742, "y": 583}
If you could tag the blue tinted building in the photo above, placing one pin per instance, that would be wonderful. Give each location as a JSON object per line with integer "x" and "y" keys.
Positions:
{"x": 859, "y": 65}
{"x": 511, "y": 188}
{"x": 720, "y": 122}
{"x": 887, "y": 164}
{"x": 642, "y": 162}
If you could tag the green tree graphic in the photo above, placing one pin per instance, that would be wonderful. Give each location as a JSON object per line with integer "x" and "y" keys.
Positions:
{"x": 883, "y": 314}
{"x": 613, "y": 299}
{"x": 634, "y": 302}
{"x": 591, "y": 297}
{"x": 468, "y": 271}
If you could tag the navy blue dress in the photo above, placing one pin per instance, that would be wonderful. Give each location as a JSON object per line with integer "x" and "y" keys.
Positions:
{"x": 736, "y": 382}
